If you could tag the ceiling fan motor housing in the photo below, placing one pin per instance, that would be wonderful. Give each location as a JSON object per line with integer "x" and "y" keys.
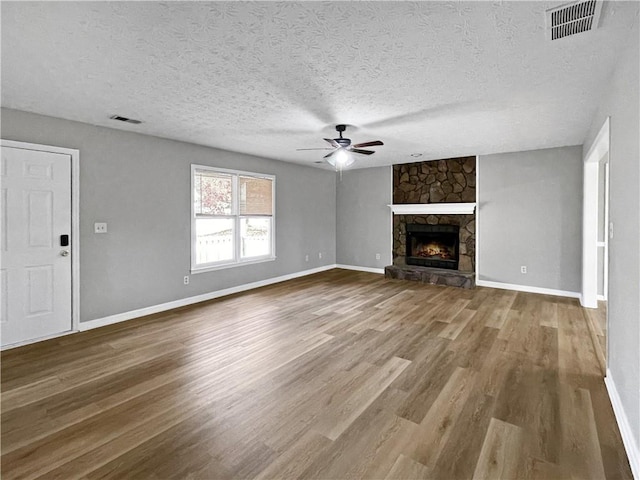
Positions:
{"x": 343, "y": 142}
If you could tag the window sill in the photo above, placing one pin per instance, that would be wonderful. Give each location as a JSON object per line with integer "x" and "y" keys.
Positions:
{"x": 213, "y": 268}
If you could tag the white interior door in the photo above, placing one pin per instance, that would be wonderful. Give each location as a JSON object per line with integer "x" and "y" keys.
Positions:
{"x": 35, "y": 266}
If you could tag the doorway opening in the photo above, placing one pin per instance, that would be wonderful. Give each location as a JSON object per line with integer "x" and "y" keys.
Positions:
{"x": 597, "y": 230}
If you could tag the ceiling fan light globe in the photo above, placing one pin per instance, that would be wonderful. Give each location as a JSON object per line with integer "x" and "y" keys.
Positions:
{"x": 341, "y": 159}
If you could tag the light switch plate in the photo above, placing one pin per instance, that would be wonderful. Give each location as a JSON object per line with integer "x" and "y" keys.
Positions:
{"x": 100, "y": 227}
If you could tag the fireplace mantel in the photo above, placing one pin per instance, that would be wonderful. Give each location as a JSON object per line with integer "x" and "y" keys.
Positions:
{"x": 433, "y": 208}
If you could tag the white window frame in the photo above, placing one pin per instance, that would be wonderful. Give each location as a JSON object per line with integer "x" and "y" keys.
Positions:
{"x": 237, "y": 260}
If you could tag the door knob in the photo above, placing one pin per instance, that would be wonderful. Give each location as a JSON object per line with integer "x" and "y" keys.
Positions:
{"x": 64, "y": 253}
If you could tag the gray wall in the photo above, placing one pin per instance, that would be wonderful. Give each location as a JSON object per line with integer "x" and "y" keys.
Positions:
{"x": 363, "y": 219}
{"x": 140, "y": 185}
{"x": 621, "y": 102}
{"x": 530, "y": 213}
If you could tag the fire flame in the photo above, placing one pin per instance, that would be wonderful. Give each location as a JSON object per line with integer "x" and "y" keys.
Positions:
{"x": 434, "y": 250}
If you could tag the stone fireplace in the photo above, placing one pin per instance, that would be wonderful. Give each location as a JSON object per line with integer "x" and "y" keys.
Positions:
{"x": 434, "y": 221}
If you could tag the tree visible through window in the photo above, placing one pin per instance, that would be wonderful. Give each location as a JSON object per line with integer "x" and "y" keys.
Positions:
{"x": 232, "y": 217}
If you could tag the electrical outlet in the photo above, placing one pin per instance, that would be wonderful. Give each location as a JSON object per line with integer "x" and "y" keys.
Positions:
{"x": 186, "y": 279}
{"x": 319, "y": 254}
{"x": 100, "y": 227}
{"x": 523, "y": 269}
{"x": 377, "y": 256}
{"x": 306, "y": 258}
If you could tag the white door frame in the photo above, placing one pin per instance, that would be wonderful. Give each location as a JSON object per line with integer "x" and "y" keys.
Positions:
{"x": 605, "y": 272}
{"x": 75, "y": 224}
{"x": 596, "y": 153}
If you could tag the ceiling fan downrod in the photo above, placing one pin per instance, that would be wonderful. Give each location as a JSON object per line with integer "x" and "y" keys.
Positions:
{"x": 343, "y": 142}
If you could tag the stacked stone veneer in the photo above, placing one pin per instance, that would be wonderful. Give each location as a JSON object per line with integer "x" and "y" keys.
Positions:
{"x": 440, "y": 181}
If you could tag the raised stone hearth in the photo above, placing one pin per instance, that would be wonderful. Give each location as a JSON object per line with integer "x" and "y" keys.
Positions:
{"x": 433, "y": 276}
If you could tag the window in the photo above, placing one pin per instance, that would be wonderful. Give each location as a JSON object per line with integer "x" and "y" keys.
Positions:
{"x": 232, "y": 220}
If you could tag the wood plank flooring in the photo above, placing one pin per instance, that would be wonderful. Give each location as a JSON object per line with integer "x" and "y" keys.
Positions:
{"x": 597, "y": 321}
{"x": 336, "y": 375}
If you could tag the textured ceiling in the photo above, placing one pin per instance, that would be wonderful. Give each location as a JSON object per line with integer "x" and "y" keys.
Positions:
{"x": 439, "y": 78}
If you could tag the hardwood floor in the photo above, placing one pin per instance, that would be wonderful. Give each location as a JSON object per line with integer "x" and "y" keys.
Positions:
{"x": 597, "y": 322}
{"x": 336, "y": 375}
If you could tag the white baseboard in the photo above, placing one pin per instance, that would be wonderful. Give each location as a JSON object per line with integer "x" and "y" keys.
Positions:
{"x": 592, "y": 303}
{"x": 630, "y": 445}
{"x": 526, "y": 288}
{"x": 163, "y": 307}
{"x": 361, "y": 269}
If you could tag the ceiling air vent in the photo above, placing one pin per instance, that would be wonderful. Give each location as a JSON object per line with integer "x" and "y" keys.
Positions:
{"x": 125, "y": 119}
{"x": 572, "y": 18}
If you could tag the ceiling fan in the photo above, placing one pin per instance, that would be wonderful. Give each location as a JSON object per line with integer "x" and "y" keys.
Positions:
{"x": 341, "y": 154}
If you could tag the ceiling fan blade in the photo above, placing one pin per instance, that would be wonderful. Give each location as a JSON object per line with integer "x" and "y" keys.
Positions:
{"x": 299, "y": 149}
{"x": 368, "y": 144}
{"x": 328, "y": 155}
{"x": 332, "y": 142}
{"x": 363, "y": 152}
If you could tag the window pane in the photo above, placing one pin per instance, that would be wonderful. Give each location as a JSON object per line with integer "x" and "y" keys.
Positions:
{"x": 256, "y": 196}
{"x": 255, "y": 237}
{"x": 213, "y": 193}
{"x": 214, "y": 240}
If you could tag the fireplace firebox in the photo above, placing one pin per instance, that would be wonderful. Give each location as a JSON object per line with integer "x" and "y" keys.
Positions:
{"x": 432, "y": 245}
